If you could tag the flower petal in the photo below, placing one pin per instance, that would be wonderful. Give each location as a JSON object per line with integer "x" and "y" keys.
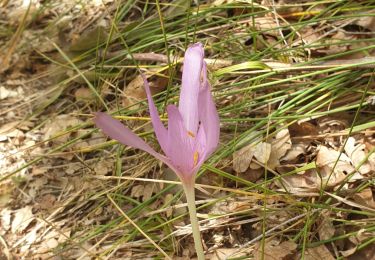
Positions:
{"x": 209, "y": 119}
{"x": 116, "y": 130}
{"x": 180, "y": 143}
{"x": 191, "y": 82}
{"x": 160, "y": 131}
{"x": 201, "y": 147}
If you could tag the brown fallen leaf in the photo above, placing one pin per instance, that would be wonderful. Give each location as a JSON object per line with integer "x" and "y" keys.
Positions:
{"x": 267, "y": 24}
{"x": 366, "y": 21}
{"x": 333, "y": 173}
{"x": 88, "y": 39}
{"x": 9, "y": 93}
{"x": 366, "y": 253}
{"x": 84, "y": 94}
{"x": 262, "y": 152}
{"x": 302, "y": 129}
{"x": 280, "y": 144}
{"x": 294, "y": 152}
{"x": 223, "y": 253}
{"x": 103, "y": 167}
{"x": 243, "y": 157}
{"x": 348, "y": 252}
{"x": 135, "y": 92}
{"x": 361, "y": 236}
{"x": 10, "y": 130}
{"x": 137, "y": 191}
{"x": 59, "y": 124}
{"x": 326, "y": 228}
{"x": 167, "y": 200}
{"x": 365, "y": 197}
{"x": 22, "y": 219}
{"x": 250, "y": 175}
{"x": 318, "y": 253}
{"x": 328, "y": 125}
{"x": 5, "y": 219}
{"x": 299, "y": 183}
{"x": 356, "y": 153}
{"x": 274, "y": 250}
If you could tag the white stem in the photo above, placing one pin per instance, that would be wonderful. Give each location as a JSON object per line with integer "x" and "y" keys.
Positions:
{"x": 190, "y": 197}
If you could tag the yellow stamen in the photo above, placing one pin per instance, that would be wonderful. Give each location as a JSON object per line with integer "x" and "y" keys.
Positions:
{"x": 190, "y": 134}
{"x": 196, "y": 157}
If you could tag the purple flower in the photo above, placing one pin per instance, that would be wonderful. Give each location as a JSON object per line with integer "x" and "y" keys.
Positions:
{"x": 193, "y": 127}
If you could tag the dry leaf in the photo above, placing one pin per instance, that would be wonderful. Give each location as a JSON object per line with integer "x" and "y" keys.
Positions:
{"x": 366, "y": 20}
{"x": 292, "y": 155}
{"x": 326, "y": 228}
{"x": 167, "y": 199}
{"x": 6, "y": 93}
{"x": 357, "y": 154}
{"x": 262, "y": 152}
{"x": 10, "y": 130}
{"x": 267, "y": 25}
{"x": 332, "y": 125}
{"x": 309, "y": 36}
{"x": 318, "y": 253}
{"x": 148, "y": 190}
{"x": 242, "y": 158}
{"x": 301, "y": 183}
{"x": 25, "y": 7}
{"x": 84, "y": 94}
{"x": 333, "y": 173}
{"x": 303, "y": 129}
{"x": 137, "y": 191}
{"x": 348, "y": 252}
{"x": 5, "y": 198}
{"x": 89, "y": 39}
{"x": 366, "y": 253}
{"x": 224, "y": 253}
{"x": 22, "y": 218}
{"x": 50, "y": 243}
{"x": 31, "y": 237}
{"x": 273, "y": 250}
{"x": 365, "y": 198}
{"x": 361, "y": 236}
{"x": 5, "y": 216}
{"x": 250, "y": 175}
{"x": 47, "y": 202}
{"x": 333, "y": 47}
{"x": 311, "y": 180}
{"x": 103, "y": 167}
{"x": 280, "y": 144}
{"x": 135, "y": 92}
{"x": 58, "y": 125}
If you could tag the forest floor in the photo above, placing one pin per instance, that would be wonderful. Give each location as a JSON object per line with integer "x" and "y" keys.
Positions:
{"x": 292, "y": 178}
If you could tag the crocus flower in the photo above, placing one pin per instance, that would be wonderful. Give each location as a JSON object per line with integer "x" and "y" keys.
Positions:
{"x": 192, "y": 134}
{"x": 193, "y": 128}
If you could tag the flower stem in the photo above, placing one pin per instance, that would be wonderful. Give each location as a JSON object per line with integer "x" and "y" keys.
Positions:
{"x": 190, "y": 197}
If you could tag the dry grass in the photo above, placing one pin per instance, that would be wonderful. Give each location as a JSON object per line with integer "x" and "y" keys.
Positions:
{"x": 293, "y": 176}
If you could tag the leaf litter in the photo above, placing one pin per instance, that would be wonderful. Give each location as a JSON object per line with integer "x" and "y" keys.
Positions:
{"x": 47, "y": 207}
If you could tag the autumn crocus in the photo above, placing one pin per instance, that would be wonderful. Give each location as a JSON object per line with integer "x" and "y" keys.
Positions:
{"x": 192, "y": 134}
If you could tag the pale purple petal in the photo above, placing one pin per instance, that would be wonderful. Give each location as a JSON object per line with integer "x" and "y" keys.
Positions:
{"x": 201, "y": 147}
{"x": 209, "y": 119}
{"x": 180, "y": 143}
{"x": 191, "y": 83}
{"x": 116, "y": 130}
{"x": 160, "y": 131}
